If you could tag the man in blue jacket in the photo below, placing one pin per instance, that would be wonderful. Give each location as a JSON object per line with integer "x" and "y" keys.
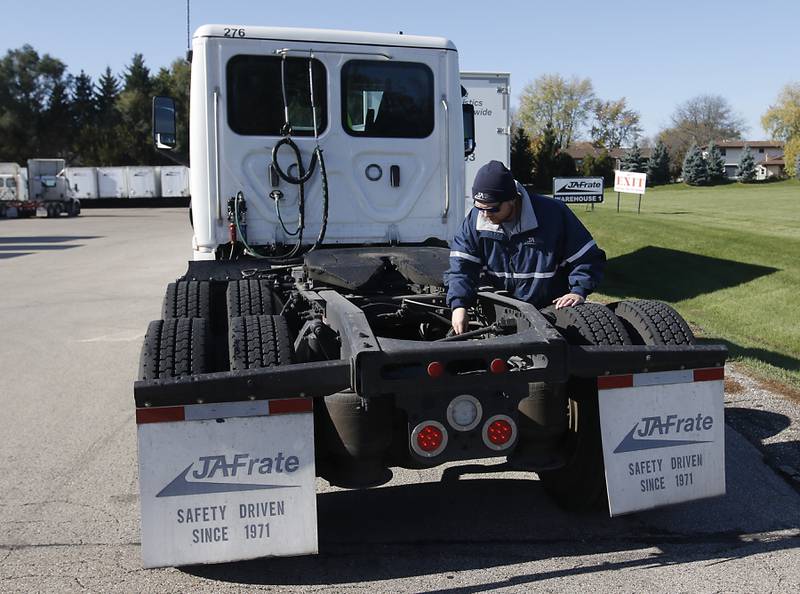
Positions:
{"x": 532, "y": 246}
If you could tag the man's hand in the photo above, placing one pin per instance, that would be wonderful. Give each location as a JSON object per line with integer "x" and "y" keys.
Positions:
{"x": 460, "y": 320}
{"x": 567, "y": 300}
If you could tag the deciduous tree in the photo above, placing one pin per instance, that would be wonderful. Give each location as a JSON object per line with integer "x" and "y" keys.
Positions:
{"x": 782, "y": 122}
{"x": 614, "y": 123}
{"x": 555, "y": 102}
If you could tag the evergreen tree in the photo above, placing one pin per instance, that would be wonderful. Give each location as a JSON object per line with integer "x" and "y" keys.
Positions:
{"x": 747, "y": 166}
{"x": 106, "y": 146}
{"x": 715, "y": 164}
{"x": 521, "y": 156}
{"x": 600, "y": 166}
{"x": 695, "y": 171}
{"x": 83, "y": 118}
{"x": 545, "y": 150}
{"x": 174, "y": 82}
{"x": 632, "y": 160}
{"x": 135, "y": 109}
{"x": 658, "y": 165}
{"x": 55, "y": 123}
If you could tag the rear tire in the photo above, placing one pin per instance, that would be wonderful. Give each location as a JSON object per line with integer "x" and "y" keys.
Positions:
{"x": 580, "y": 484}
{"x": 174, "y": 348}
{"x": 259, "y": 341}
{"x": 187, "y": 299}
{"x": 251, "y": 297}
{"x": 653, "y": 322}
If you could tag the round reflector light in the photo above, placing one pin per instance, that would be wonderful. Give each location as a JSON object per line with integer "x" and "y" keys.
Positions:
{"x": 435, "y": 369}
{"x": 498, "y": 366}
{"x": 499, "y": 432}
{"x": 464, "y": 412}
{"x": 429, "y": 439}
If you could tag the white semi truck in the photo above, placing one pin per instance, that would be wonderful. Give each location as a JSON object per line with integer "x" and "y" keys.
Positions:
{"x": 13, "y": 189}
{"x": 48, "y": 188}
{"x": 310, "y": 334}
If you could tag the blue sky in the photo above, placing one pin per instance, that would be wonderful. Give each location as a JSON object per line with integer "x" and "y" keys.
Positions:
{"x": 656, "y": 54}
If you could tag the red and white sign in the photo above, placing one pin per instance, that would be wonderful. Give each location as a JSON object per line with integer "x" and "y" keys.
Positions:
{"x": 630, "y": 182}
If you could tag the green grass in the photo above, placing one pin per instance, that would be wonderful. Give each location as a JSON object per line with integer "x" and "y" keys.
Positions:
{"x": 727, "y": 258}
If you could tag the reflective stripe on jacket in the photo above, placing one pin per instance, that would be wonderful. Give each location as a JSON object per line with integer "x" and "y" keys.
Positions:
{"x": 546, "y": 254}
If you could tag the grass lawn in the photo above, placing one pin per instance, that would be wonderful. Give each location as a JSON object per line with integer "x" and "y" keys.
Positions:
{"x": 726, "y": 257}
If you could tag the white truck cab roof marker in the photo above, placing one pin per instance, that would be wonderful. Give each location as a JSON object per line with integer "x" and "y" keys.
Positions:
{"x": 324, "y": 36}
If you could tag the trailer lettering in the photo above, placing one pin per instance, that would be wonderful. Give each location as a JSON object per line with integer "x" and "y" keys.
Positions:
{"x": 217, "y": 534}
{"x": 261, "y": 509}
{"x": 688, "y": 461}
{"x": 652, "y": 484}
{"x": 644, "y": 467}
{"x": 210, "y": 513}
{"x": 222, "y": 466}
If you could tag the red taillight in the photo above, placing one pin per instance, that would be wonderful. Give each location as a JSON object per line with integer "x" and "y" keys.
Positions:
{"x": 498, "y": 366}
{"x": 429, "y": 439}
{"x": 499, "y": 432}
{"x": 435, "y": 369}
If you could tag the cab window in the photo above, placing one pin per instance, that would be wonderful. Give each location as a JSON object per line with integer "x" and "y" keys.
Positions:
{"x": 255, "y": 95}
{"x": 11, "y": 182}
{"x": 387, "y": 99}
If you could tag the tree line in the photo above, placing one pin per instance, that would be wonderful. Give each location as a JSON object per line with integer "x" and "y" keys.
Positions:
{"x": 554, "y": 112}
{"x": 45, "y": 111}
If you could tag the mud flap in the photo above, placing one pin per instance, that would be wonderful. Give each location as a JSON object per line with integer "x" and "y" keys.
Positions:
{"x": 226, "y": 482}
{"x": 663, "y": 437}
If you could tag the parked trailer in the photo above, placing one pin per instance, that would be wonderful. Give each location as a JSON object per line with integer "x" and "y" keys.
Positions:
{"x": 312, "y": 337}
{"x": 143, "y": 182}
{"x": 489, "y": 94}
{"x": 174, "y": 181}
{"x": 82, "y": 182}
{"x": 112, "y": 182}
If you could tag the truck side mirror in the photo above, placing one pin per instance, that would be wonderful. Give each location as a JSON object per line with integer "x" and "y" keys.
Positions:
{"x": 469, "y": 128}
{"x": 164, "y": 135}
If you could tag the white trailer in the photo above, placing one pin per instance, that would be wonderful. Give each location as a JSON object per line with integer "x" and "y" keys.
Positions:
{"x": 12, "y": 182}
{"x": 143, "y": 182}
{"x": 488, "y": 92}
{"x": 82, "y": 182}
{"x": 112, "y": 182}
{"x": 174, "y": 181}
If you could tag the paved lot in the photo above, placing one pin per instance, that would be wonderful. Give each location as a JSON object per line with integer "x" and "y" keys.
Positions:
{"x": 76, "y": 296}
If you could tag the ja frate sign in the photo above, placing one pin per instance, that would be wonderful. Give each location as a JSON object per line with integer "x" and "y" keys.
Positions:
{"x": 663, "y": 437}
{"x": 226, "y": 482}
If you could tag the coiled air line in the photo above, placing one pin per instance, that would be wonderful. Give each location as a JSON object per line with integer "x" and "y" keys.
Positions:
{"x": 300, "y": 180}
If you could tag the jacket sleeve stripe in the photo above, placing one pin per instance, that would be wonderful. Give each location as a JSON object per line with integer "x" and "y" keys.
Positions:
{"x": 464, "y": 256}
{"x": 580, "y": 252}
{"x": 521, "y": 274}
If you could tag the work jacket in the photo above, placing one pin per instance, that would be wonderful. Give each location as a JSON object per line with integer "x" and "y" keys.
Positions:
{"x": 545, "y": 254}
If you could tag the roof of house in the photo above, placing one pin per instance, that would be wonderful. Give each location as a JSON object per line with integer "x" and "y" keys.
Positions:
{"x": 750, "y": 143}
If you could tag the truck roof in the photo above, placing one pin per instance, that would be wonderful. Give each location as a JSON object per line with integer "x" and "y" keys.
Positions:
{"x": 327, "y": 36}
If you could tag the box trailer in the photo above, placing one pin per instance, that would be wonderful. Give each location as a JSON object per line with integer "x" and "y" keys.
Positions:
{"x": 174, "y": 181}
{"x": 143, "y": 182}
{"x": 82, "y": 182}
{"x": 112, "y": 182}
{"x": 488, "y": 93}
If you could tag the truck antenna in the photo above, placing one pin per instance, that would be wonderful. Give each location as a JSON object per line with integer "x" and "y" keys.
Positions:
{"x": 188, "y": 28}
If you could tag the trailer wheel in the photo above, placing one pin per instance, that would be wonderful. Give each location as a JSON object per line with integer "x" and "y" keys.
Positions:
{"x": 251, "y": 297}
{"x": 174, "y": 348}
{"x": 653, "y": 322}
{"x": 259, "y": 341}
{"x": 187, "y": 299}
{"x": 580, "y": 484}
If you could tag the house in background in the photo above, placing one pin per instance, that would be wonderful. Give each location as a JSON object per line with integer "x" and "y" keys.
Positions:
{"x": 768, "y": 155}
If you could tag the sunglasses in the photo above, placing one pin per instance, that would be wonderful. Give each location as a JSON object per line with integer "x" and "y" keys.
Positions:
{"x": 487, "y": 209}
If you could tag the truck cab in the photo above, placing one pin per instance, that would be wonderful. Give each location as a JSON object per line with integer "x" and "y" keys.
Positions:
{"x": 388, "y": 120}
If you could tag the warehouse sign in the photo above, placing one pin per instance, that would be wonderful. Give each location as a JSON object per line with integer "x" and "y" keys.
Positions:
{"x": 578, "y": 189}
{"x": 630, "y": 182}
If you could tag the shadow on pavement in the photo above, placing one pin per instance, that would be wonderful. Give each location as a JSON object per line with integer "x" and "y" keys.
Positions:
{"x": 433, "y": 529}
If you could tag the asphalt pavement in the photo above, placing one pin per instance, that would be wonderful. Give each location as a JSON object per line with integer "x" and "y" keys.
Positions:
{"x": 75, "y": 298}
